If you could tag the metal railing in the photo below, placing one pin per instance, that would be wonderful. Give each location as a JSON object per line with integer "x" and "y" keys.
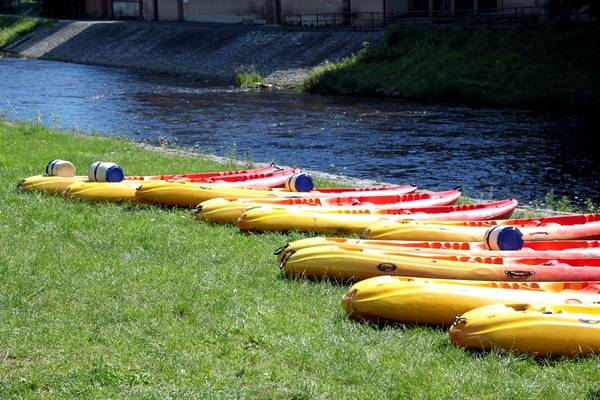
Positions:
{"x": 336, "y": 21}
{"x": 492, "y": 18}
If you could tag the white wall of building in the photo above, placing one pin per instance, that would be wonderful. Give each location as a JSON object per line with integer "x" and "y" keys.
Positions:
{"x": 291, "y": 7}
{"x": 229, "y": 11}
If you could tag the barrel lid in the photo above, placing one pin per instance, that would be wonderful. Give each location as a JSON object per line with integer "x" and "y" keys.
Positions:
{"x": 115, "y": 174}
{"x": 510, "y": 239}
{"x": 303, "y": 182}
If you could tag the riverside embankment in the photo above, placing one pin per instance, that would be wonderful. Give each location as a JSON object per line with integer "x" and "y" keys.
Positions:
{"x": 212, "y": 51}
{"x": 546, "y": 69}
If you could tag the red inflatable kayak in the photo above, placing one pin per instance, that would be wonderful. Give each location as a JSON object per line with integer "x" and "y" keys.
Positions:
{"x": 259, "y": 180}
{"x": 229, "y": 210}
{"x": 370, "y": 200}
{"x": 358, "y": 192}
{"x": 467, "y": 212}
{"x": 189, "y": 194}
{"x": 349, "y": 263}
{"x": 540, "y": 250}
{"x": 212, "y": 176}
{"x": 564, "y": 227}
{"x": 349, "y": 220}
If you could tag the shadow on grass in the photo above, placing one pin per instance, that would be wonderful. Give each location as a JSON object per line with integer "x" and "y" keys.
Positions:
{"x": 546, "y": 362}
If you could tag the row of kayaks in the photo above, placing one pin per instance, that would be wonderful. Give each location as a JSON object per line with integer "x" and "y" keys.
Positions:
{"x": 421, "y": 259}
{"x": 107, "y": 181}
{"x": 267, "y": 199}
{"x": 543, "y": 299}
{"x": 391, "y": 213}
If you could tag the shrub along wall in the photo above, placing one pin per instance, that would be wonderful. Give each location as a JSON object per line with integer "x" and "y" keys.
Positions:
{"x": 545, "y": 69}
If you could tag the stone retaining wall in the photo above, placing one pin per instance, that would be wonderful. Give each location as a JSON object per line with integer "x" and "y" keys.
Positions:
{"x": 210, "y": 50}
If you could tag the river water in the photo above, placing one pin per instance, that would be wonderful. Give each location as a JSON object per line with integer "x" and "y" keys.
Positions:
{"x": 490, "y": 152}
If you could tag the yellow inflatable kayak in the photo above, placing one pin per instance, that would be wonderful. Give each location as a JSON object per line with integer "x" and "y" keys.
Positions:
{"x": 103, "y": 191}
{"x": 125, "y": 190}
{"x": 572, "y": 249}
{"x": 48, "y": 184}
{"x": 376, "y": 201}
{"x": 543, "y": 330}
{"x": 189, "y": 194}
{"x": 354, "y": 220}
{"x": 335, "y": 221}
{"x": 438, "y": 302}
{"x": 564, "y": 227}
{"x": 60, "y": 174}
{"x": 352, "y": 263}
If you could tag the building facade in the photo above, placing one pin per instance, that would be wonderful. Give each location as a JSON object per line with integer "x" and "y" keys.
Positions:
{"x": 274, "y": 11}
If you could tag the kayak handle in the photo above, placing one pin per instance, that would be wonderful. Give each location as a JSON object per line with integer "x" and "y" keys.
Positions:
{"x": 285, "y": 258}
{"x": 276, "y": 167}
{"x": 458, "y": 319}
{"x": 538, "y": 233}
{"x": 519, "y": 274}
{"x": 589, "y": 321}
{"x": 280, "y": 250}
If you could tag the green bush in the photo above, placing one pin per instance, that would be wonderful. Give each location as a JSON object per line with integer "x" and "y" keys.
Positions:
{"x": 12, "y": 28}
{"x": 248, "y": 77}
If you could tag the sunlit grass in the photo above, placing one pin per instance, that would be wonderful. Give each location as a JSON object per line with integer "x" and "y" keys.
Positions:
{"x": 129, "y": 301}
{"x": 249, "y": 77}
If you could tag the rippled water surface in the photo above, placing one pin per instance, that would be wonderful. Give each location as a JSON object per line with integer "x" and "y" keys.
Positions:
{"x": 498, "y": 152}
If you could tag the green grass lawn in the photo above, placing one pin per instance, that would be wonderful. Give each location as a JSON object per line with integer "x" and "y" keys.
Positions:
{"x": 127, "y": 301}
{"x": 12, "y": 28}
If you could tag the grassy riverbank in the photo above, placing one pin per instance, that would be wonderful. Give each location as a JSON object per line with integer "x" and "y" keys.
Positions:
{"x": 128, "y": 301}
{"x": 542, "y": 69}
{"x": 12, "y": 28}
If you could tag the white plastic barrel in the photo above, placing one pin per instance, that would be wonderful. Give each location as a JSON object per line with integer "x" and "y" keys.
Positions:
{"x": 101, "y": 171}
{"x": 503, "y": 238}
{"x": 60, "y": 168}
{"x": 300, "y": 182}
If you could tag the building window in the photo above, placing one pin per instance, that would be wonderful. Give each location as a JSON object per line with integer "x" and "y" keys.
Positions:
{"x": 464, "y": 4}
{"x": 418, "y": 5}
{"x": 488, "y": 4}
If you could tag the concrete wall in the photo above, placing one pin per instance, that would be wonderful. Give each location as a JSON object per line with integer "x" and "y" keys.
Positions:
{"x": 397, "y": 6}
{"x": 367, "y": 6}
{"x": 230, "y": 11}
{"x": 126, "y": 9}
{"x": 216, "y": 54}
{"x": 147, "y": 10}
{"x": 168, "y": 10}
{"x": 291, "y": 7}
{"x": 519, "y": 3}
{"x": 98, "y": 9}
